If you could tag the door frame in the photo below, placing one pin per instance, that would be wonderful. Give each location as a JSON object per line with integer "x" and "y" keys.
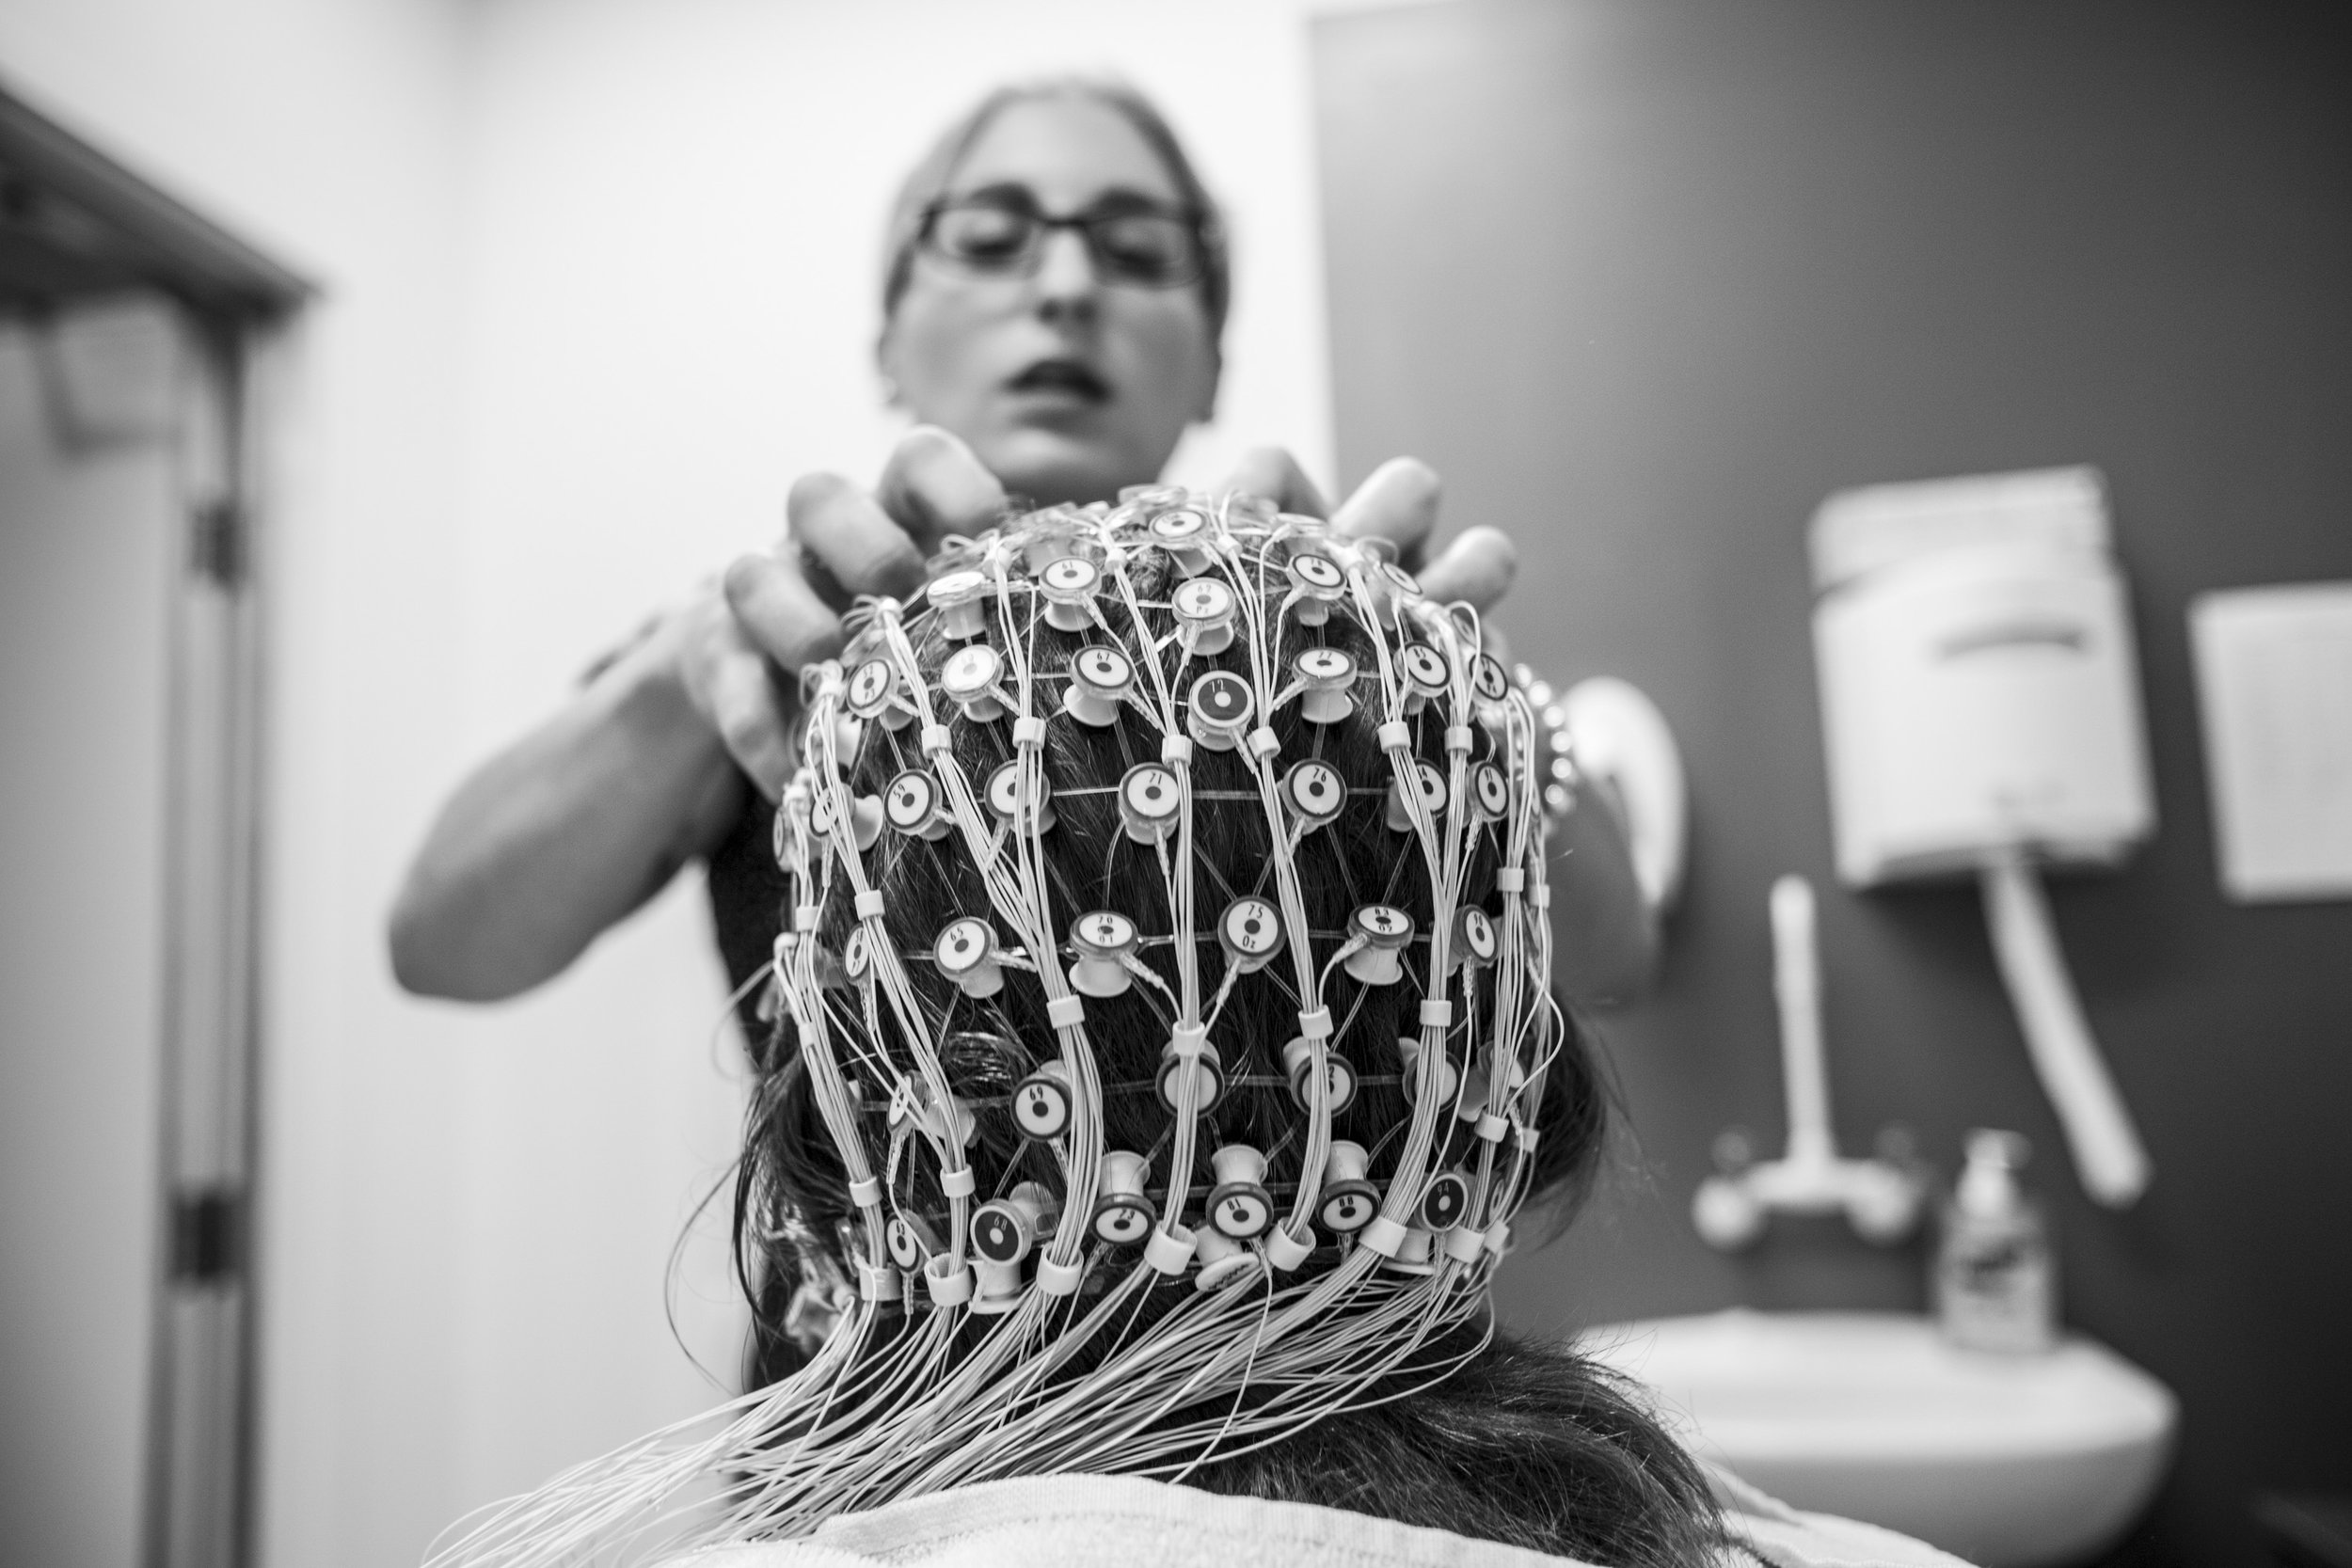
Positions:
{"x": 81, "y": 226}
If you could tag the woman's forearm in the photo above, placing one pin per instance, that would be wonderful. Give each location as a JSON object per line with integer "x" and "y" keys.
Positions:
{"x": 565, "y": 833}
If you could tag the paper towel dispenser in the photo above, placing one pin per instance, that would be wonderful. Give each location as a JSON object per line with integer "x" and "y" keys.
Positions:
{"x": 1977, "y": 672}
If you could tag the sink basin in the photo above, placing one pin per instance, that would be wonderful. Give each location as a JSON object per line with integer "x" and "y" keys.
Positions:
{"x": 2010, "y": 1461}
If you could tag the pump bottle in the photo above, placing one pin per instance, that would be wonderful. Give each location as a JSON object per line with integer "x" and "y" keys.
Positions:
{"x": 1995, "y": 1284}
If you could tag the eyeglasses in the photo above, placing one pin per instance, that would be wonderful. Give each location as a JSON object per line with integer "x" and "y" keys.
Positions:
{"x": 1000, "y": 236}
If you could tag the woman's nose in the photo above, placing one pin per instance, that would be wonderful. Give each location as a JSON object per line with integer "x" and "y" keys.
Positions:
{"x": 1065, "y": 270}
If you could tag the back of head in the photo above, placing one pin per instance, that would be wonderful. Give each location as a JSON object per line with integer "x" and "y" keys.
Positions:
{"x": 1165, "y": 1037}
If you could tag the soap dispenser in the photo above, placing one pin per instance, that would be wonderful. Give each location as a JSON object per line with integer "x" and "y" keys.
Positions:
{"x": 1996, "y": 1283}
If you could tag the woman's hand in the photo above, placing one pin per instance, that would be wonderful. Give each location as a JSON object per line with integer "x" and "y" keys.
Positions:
{"x": 1399, "y": 503}
{"x": 577, "y": 823}
{"x": 784, "y": 605}
{"x": 783, "y": 608}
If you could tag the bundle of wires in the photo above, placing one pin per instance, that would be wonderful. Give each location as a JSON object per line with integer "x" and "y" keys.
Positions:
{"x": 1163, "y": 1017}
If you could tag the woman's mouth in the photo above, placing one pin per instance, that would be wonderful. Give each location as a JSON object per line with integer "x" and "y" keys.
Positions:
{"x": 1070, "y": 378}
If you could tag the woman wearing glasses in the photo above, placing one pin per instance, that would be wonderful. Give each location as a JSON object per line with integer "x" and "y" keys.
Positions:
{"x": 1055, "y": 290}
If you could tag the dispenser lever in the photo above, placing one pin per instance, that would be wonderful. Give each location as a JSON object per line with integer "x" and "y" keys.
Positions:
{"x": 2109, "y": 1155}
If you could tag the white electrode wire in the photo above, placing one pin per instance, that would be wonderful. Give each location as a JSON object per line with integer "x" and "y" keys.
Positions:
{"x": 883, "y": 956}
{"x": 1291, "y": 898}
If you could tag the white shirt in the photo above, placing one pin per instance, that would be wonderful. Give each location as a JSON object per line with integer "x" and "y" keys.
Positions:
{"x": 1064, "y": 1521}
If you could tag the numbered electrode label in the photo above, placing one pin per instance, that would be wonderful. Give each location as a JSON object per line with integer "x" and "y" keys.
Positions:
{"x": 1251, "y": 932}
{"x": 910, "y": 802}
{"x": 1489, "y": 680}
{"x": 1476, "y": 933}
{"x": 1149, "y": 802}
{"x": 1179, "y": 525}
{"x": 1104, "y": 942}
{"x": 1444, "y": 1202}
{"x": 1490, "y": 791}
{"x": 1204, "y": 601}
{"x": 1098, "y": 678}
{"x": 1244, "y": 1215}
{"x": 1025, "y": 804}
{"x": 1040, "y": 1105}
{"x": 1219, "y": 708}
{"x": 1317, "y": 574}
{"x": 970, "y": 671}
{"x": 869, "y": 686}
{"x": 1325, "y": 667}
{"x": 1068, "y": 585}
{"x": 1222, "y": 699}
{"x": 1106, "y": 931}
{"x": 910, "y": 1241}
{"x": 1004, "y": 790}
{"x": 1072, "y": 575}
{"x": 964, "y": 947}
{"x": 1122, "y": 1215}
{"x": 998, "y": 1235}
{"x": 1380, "y": 925}
{"x": 1338, "y": 1075}
{"x": 1105, "y": 670}
{"x": 1425, "y": 670}
{"x": 1315, "y": 791}
{"x": 1326, "y": 674}
{"x": 1348, "y": 1207}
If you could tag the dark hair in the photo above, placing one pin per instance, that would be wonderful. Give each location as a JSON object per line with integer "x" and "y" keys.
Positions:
{"x": 1476, "y": 1434}
{"x": 929, "y": 180}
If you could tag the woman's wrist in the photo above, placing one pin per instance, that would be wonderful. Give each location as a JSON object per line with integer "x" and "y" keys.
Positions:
{"x": 647, "y": 688}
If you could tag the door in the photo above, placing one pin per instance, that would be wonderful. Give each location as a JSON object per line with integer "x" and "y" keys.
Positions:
{"x": 87, "y": 513}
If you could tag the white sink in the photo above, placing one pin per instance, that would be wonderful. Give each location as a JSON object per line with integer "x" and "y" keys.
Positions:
{"x": 2010, "y": 1461}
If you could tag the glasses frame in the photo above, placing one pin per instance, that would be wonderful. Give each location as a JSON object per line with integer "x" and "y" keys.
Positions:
{"x": 1025, "y": 262}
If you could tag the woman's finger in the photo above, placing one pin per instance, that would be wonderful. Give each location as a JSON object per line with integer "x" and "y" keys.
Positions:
{"x": 934, "y": 485}
{"x": 1478, "y": 567}
{"x": 733, "y": 686}
{"x": 779, "y": 613}
{"x": 850, "y": 541}
{"x": 1399, "y": 503}
{"x": 750, "y": 719}
{"x": 1273, "y": 474}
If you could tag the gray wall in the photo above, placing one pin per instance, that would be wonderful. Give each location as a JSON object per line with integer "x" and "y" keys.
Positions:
{"x": 1646, "y": 279}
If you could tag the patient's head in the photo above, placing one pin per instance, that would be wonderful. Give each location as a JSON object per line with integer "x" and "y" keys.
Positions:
{"x": 1169, "y": 928}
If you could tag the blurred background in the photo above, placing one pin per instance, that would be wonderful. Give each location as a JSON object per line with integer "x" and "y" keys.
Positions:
{"x": 549, "y": 301}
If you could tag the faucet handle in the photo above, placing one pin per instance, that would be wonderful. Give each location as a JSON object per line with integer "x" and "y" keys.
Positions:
{"x": 1728, "y": 1214}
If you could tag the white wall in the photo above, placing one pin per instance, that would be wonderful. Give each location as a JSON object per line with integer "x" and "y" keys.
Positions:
{"x": 601, "y": 281}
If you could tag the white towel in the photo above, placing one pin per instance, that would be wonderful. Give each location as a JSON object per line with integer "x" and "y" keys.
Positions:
{"x": 1065, "y": 1521}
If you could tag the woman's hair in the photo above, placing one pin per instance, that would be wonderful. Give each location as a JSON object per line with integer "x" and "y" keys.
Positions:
{"x": 1164, "y": 1050}
{"x": 929, "y": 178}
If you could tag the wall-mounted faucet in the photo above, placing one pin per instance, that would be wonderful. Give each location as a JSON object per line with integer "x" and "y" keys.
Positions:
{"x": 1882, "y": 1199}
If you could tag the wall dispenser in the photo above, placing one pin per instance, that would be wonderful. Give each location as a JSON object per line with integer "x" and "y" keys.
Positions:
{"x": 1982, "y": 719}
